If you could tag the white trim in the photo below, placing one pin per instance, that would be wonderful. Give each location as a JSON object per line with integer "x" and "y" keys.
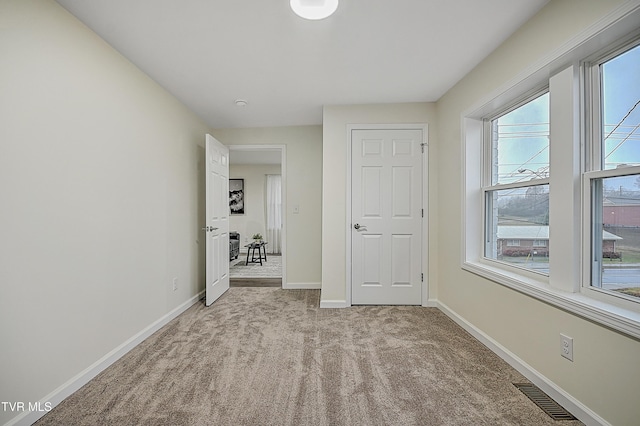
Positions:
{"x": 518, "y": 185}
{"x": 575, "y": 407}
{"x": 334, "y": 304}
{"x": 425, "y": 216}
{"x": 472, "y": 245}
{"x": 85, "y": 376}
{"x": 611, "y": 173}
{"x": 603, "y": 313}
{"x": 348, "y": 245}
{"x": 565, "y": 210}
{"x": 424, "y": 127}
{"x": 616, "y": 25}
{"x": 283, "y": 173}
{"x": 608, "y": 297}
{"x": 302, "y": 286}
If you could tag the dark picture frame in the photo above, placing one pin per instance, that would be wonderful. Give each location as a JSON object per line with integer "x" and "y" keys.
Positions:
{"x": 236, "y": 196}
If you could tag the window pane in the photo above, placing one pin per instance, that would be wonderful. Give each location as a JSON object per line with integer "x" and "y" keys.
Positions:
{"x": 518, "y": 227}
{"x": 621, "y": 110}
{"x": 520, "y": 143}
{"x": 616, "y": 234}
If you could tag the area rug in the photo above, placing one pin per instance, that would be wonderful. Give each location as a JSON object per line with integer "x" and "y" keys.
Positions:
{"x": 271, "y": 268}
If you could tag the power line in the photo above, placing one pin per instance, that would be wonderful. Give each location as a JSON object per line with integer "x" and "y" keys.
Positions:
{"x": 624, "y": 118}
{"x": 623, "y": 140}
{"x": 620, "y": 124}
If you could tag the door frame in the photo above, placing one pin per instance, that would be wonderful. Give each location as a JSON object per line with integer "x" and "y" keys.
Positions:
{"x": 283, "y": 173}
{"x": 425, "y": 201}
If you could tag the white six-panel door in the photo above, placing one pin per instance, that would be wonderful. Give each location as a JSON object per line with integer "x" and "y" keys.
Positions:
{"x": 386, "y": 226}
{"x": 217, "y": 223}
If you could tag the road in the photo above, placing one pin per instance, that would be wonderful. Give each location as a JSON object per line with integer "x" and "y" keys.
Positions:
{"x": 621, "y": 277}
{"x": 613, "y": 277}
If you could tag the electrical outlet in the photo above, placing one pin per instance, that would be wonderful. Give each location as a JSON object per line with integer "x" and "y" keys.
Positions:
{"x": 566, "y": 347}
{"x": 175, "y": 284}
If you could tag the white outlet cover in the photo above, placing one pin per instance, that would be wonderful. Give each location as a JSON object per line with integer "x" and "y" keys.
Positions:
{"x": 566, "y": 347}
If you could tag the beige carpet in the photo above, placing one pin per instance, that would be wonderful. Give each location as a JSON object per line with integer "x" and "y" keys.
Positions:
{"x": 267, "y": 356}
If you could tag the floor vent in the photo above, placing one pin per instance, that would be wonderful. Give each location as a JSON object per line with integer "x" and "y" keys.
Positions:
{"x": 542, "y": 400}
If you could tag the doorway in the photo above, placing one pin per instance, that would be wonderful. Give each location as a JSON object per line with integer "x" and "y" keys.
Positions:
{"x": 387, "y": 215}
{"x": 260, "y": 173}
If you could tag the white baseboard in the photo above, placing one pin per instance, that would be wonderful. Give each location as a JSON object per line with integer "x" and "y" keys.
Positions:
{"x": 575, "y": 407}
{"x": 431, "y": 303}
{"x": 302, "y": 286}
{"x": 57, "y": 396}
{"x": 333, "y": 304}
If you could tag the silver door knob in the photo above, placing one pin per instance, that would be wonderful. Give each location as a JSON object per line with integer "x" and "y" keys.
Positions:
{"x": 356, "y": 226}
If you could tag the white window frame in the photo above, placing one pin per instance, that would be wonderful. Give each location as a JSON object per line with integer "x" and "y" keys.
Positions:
{"x": 595, "y": 171}
{"x": 564, "y": 287}
{"x": 487, "y": 168}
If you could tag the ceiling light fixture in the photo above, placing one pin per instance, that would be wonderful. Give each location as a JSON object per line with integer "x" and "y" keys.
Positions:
{"x": 241, "y": 103}
{"x": 314, "y": 9}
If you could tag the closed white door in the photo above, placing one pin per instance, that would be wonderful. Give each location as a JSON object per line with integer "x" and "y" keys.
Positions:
{"x": 217, "y": 223}
{"x": 386, "y": 226}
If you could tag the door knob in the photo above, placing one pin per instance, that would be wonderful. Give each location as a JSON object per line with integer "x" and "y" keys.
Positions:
{"x": 356, "y": 226}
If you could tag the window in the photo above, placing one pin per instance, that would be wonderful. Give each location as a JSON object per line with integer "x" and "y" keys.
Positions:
{"x": 516, "y": 192}
{"x": 613, "y": 178}
{"x": 558, "y": 171}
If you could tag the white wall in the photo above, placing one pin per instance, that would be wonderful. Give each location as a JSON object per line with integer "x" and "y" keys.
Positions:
{"x": 254, "y": 220}
{"x": 605, "y": 372}
{"x": 304, "y": 183}
{"x": 334, "y": 177}
{"x": 101, "y": 203}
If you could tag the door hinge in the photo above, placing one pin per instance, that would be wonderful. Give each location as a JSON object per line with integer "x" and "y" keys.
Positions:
{"x": 422, "y": 277}
{"x": 422, "y": 212}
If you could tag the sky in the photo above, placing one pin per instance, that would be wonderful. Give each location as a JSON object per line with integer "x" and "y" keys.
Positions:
{"x": 621, "y": 93}
{"x": 523, "y": 142}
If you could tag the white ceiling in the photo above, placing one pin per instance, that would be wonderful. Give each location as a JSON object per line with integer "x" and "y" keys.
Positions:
{"x": 209, "y": 53}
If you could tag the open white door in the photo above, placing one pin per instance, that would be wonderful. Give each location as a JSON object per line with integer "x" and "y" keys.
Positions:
{"x": 386, "y": 209}
{"x": 217, "y": 222}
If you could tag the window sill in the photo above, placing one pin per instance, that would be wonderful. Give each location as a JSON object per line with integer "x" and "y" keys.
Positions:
{"x": 606, "y": 314}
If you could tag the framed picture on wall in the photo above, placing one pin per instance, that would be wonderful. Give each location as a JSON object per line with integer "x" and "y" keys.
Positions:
{"x": 236, "y": 196}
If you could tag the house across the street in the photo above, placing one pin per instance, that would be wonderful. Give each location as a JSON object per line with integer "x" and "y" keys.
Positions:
{"x": 534, "y": 240}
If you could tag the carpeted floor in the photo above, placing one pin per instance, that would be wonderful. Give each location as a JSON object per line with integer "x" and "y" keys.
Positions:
{"x": 267, "y": 356}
